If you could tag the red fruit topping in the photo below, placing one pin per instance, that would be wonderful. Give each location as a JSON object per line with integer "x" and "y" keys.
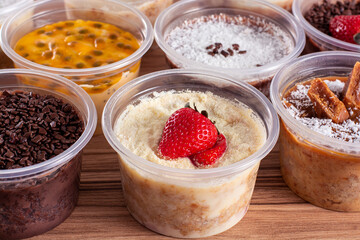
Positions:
{"x": 186, "y": 132}
{"x": 345, "y": 28}
{"x": 209, "y": 156}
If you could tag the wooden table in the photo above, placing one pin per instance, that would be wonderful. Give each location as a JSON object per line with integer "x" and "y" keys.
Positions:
{"x": 275, "y": 212}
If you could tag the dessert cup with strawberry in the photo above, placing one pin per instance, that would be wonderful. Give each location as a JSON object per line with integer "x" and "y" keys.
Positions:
{"x": 320, "y": 128}
{"x": 189, "y": 144}
{"x": 329, "y": 24}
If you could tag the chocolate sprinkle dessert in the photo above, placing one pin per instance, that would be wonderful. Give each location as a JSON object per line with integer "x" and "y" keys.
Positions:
{"x": 319, "y": 15}
{"x": 35, "y": 128}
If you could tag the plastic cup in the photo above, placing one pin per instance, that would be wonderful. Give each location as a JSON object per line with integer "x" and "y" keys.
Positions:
{"x": 322, "y": 170}
{"x": 6, "y": 8}
{"x": 151, "y": 8}
{"x": 37, "y": 198}
{"x": 318, "y": 39}
{"x": 51, "y": 11}
{"x": 260, "y": 77}
{"x": 286, "y": 4}
{"x": 183, "y": 202}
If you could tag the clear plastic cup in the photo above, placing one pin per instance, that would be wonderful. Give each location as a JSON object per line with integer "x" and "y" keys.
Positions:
{"x": 322, "y": 170}
{"x": 6, "y": 8}
{"x": 37, "y": 198}
{"x": 318, "y": 39}
{"x": 99, "y": 82}
{"x": 151, "y": 8}
{"x": 260, "y": 77}
{"x": 188, "y": 203}
{"x": 286, "y": 4}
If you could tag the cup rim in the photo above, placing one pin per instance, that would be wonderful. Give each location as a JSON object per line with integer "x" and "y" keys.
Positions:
{"x": 299, "y": 41}
{"x": 11, "y": 7}
{"x": 310, "y": 135}
{"x": 318, "y": 34}
{"x": 151, "y": 167}
{"x": 144, "y": 47}
{"x": 75, "y": 148}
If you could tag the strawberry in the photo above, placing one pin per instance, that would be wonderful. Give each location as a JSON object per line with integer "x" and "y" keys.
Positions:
{"x": 186, "y": 132}
{"x": 209, "y": 156}
{"x": 346, "y": 28}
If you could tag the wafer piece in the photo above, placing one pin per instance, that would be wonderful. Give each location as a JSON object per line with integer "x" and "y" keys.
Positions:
{"x": 351, "y": 90}
{"x": 326, "y": 103}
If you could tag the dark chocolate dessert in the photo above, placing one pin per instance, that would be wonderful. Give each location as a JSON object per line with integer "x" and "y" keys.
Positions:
{"x": 35, "y": 128}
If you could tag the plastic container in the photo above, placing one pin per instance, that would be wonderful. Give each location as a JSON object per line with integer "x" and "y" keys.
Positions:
{"x": 286, "y": 4}
{"x": 188, "y": 203}
{"x": 151, "y": 8}
{"x": 37, "y": 198}
{"x": 318, "y": 39}
{"x": 51, "y": 11}
{"x": 6, "y": 8}
{"x": 322, "y": 170}
{"x": 260, "y": 77}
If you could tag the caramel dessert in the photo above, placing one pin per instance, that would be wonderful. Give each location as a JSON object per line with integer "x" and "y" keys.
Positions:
{"x": 331, "y": 107}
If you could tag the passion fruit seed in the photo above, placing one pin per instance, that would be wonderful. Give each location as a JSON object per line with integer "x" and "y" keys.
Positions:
{"x": 97, "y": 52}
{"x": 97, "y": 25}
{"x": 83, "y": 31}
{"x": 40, "y": 44}
{"x": 97, "y": 64}
{"x": 80, "y": 65}
{"x": 48, "y": 54}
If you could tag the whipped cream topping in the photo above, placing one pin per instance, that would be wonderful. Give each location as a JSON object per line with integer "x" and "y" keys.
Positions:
{"x": 140, "y": 127}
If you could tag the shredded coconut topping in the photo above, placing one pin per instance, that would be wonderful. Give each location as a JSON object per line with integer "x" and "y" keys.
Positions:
{"x": 348, "y": 131}
{"x": 263, "y": 42}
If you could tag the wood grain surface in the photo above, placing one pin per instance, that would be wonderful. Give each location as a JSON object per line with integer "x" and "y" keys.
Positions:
{"x": 275, "y": 212}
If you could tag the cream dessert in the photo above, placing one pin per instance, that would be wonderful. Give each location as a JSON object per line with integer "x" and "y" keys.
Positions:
{"x": 235, "y": 44}
{"x": 194, "y": 208}
{"x": 226, "y": 41}
{"x": 151, "y": 8}
{"x": 244, "y": 133}
{"x": 286, "y": 4}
